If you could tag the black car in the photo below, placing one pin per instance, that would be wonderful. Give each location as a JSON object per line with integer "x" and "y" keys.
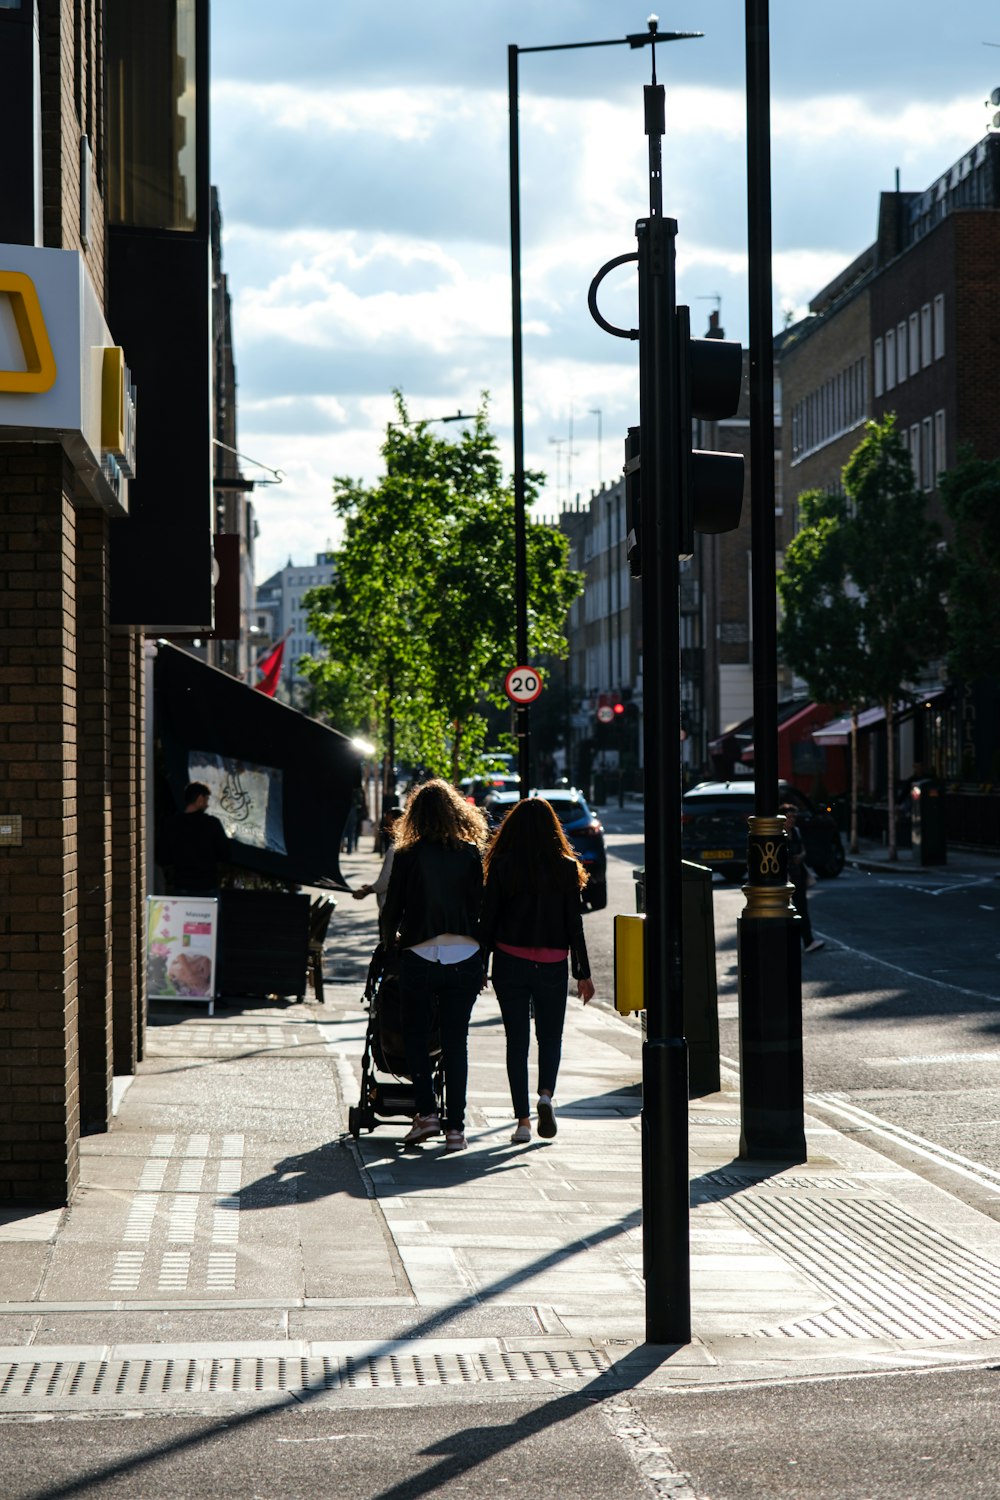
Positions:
{"x": 714, "y": 828}
{"x": 581, "y": 828}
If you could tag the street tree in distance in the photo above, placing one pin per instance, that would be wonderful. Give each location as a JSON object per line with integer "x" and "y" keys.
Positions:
{"x": 420, "y": 622}
{"x": 971, "y": 496}
{"x": 899, "y": 568}
{"x": 821, "y": 630}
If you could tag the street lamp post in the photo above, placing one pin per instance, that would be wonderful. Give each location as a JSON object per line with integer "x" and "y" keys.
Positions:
{"x": 770, "y": 957}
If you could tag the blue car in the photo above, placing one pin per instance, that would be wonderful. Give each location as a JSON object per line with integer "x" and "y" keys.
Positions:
{"x": 581, "y": 827}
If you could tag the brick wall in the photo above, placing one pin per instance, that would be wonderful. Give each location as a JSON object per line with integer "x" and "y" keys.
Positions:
{"x": 94, "y": 819}
{"x": 39, "y": 1101}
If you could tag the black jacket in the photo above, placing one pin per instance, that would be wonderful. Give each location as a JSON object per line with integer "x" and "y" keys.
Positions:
{"x": 432, "y": 889}
{"x": 551, "y": 917}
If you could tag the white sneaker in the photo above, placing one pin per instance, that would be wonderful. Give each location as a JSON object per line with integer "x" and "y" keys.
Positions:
{"x": 547, "y": 1126}
{"x": 423, "y": 1127}
{"x": 521, "y": 1136}
{"x": 814, "y": 946}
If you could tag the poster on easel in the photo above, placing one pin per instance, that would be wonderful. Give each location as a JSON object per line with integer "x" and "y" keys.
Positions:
{"x": 181, "y": 940}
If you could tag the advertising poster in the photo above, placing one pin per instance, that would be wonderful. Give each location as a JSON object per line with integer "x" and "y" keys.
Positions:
{"x": 181, "y": 935}
{"x": 247, "y": 799}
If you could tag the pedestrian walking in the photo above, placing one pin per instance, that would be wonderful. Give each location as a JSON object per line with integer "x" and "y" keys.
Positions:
{"x": 798, "y": 874}
{"x": 431, "y": 910}
{"x": 380, "y": 884}
{"x": 532, "y": 924}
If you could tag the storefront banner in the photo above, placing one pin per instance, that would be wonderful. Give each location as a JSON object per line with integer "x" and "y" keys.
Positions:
{"x": 247, "y": 799}
{"x": 181, "y": 939}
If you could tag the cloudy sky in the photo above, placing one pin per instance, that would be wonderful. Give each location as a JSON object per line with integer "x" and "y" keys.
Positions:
{"x": 361, "y": 154}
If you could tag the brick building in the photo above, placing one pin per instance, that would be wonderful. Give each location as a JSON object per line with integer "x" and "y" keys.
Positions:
{"x": 105, "y": 528}
{"x": 912, "y": 326}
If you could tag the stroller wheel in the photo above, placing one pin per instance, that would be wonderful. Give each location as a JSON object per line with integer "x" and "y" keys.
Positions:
{"x": 355, "y": 1120}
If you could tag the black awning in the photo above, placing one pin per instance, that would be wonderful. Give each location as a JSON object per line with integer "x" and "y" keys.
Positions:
{"x": 300, "y": 774}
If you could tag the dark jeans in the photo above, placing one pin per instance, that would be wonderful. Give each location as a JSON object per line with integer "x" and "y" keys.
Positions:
{"x": 451, "y": 989}
{"x": 524, "y": 988}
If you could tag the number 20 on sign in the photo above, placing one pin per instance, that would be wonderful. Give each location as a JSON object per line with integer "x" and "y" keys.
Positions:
{"x": 523, "y": 685}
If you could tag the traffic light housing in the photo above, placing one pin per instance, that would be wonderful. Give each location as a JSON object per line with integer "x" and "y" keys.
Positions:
{"x": 708, "y": 385}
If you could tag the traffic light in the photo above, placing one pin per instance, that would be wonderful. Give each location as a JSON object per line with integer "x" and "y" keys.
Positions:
{"x": 710, "y": 485}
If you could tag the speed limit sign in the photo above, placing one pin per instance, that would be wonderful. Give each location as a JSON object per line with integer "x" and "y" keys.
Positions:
{"x": 523, "y": 685}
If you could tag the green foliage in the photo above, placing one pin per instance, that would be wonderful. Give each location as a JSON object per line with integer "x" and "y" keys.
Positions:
{"x": 863, "y": 580}
{"x": 895, "y": 561}
{"x": 971, "y": 495}
{"x": 419, "y": 623}
{"x": 821, "y": 632}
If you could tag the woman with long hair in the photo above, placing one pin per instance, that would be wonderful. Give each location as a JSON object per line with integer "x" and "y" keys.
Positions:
{"x": 532, "y": 923}
{"x": 431, "y": 909}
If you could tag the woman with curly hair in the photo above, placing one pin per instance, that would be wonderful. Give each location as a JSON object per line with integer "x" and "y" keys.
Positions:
{"x": 431, "y": 910}
{"x": 532, "y": 923}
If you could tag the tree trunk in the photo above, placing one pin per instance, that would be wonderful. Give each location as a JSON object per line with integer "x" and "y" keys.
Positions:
{"x": 890, "y": 753}
{"x": 456, "y": 746}
{"x": 854, "y": 779}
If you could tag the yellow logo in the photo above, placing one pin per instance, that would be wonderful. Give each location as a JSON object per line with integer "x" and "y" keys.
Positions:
{"x": 40, "y": 374}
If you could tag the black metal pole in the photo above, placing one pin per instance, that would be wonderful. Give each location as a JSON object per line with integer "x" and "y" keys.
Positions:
{"x": 770, "y": 957}
{"x": 666, "y": 1194}
{"x": 521, "y": 715}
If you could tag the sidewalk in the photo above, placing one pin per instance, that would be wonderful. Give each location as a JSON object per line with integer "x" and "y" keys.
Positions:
{"x": 874, "y": 856}
{"x": 230, "y": 1246}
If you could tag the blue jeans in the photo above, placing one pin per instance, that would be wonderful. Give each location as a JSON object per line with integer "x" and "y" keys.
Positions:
{"x": 522, "y": 988}
{"x": 450, "y": 990}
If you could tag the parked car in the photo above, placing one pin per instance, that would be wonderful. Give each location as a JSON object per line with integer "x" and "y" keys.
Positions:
{"x": 477, "y": 788}
{"x": 714, "y": 828}
{"x": 581, "y": 827}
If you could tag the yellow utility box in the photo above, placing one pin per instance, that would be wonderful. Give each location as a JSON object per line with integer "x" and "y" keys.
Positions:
{"x": 630, "y": 969}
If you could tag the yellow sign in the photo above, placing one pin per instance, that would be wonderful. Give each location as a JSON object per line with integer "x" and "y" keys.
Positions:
{"x": 40, "y": 374}
{"x": 630, "y": 964}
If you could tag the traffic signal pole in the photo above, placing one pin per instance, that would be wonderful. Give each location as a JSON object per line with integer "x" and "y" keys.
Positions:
{"x": 665, "y": 1191}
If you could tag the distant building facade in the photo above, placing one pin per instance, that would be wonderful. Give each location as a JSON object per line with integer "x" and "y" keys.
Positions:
{"x": 280, "y": 611}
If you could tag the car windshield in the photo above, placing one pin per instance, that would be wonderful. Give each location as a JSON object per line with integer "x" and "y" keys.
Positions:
{"x": 567, "y": 809}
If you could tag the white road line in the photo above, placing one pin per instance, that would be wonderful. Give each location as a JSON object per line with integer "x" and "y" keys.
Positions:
{"x": 140, "y": 1218}
{"x": 127, "y": 1270}
{"x": 975, "y": 1171}
{"x": 898, "y": 969}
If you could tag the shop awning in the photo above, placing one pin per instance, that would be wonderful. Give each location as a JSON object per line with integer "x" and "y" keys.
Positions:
{"x": 282, "y": 783}
{"x": 838, "y": 731}
{"x": 791, "y": 718}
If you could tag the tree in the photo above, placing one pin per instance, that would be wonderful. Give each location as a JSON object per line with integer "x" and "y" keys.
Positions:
{"x": 971, "y": 496}
{"x": 821, "y": 630}
{"x": 420, "y": 620}
{"x": 900, "y": 570}
{"x": 862, "y": 590}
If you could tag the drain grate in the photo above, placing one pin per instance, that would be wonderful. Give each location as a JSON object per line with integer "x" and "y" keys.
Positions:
{"x": 37, "y": 1384}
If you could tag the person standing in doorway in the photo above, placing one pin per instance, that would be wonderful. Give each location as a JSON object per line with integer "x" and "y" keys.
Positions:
{"x": 532, "y": 923}
{"x": 196, "y": 845}
{"x": 798, "y": 874}
{"x": 431, "y": 910}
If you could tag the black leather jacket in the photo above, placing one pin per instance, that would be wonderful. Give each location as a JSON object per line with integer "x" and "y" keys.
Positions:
{"x": 432, "y": 889}
{"x": 552, "y": 917}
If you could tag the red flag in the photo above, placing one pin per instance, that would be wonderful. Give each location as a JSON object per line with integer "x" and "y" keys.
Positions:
{"x": 270, "y": 669}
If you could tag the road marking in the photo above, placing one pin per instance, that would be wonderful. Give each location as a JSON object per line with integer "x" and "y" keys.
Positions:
{"x": 909, "y": 973}
{"x": 975, "y": 1171}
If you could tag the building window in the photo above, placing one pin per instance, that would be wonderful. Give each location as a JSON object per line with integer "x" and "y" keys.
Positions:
{"x": 939, "y": 326}
{"x": 927, "y": 453}
{"x": 915, "y": 452}
{"x": 914, "y": 343}
{"x": 879, "y": 367}
{"x": 152, "y": 141}
{"x": 901, "y": 362}
{"x": 926, "y": 335}
{"x": 890, "y": 360}
{"x": 940, "y": 453}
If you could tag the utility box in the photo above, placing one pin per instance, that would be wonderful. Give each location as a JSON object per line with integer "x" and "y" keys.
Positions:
{"x": 701, "y": 994}
{"x": 927, "y": 822}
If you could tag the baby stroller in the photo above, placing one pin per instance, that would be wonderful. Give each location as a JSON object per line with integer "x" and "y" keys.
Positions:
{"x": 385, "y": 1053}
